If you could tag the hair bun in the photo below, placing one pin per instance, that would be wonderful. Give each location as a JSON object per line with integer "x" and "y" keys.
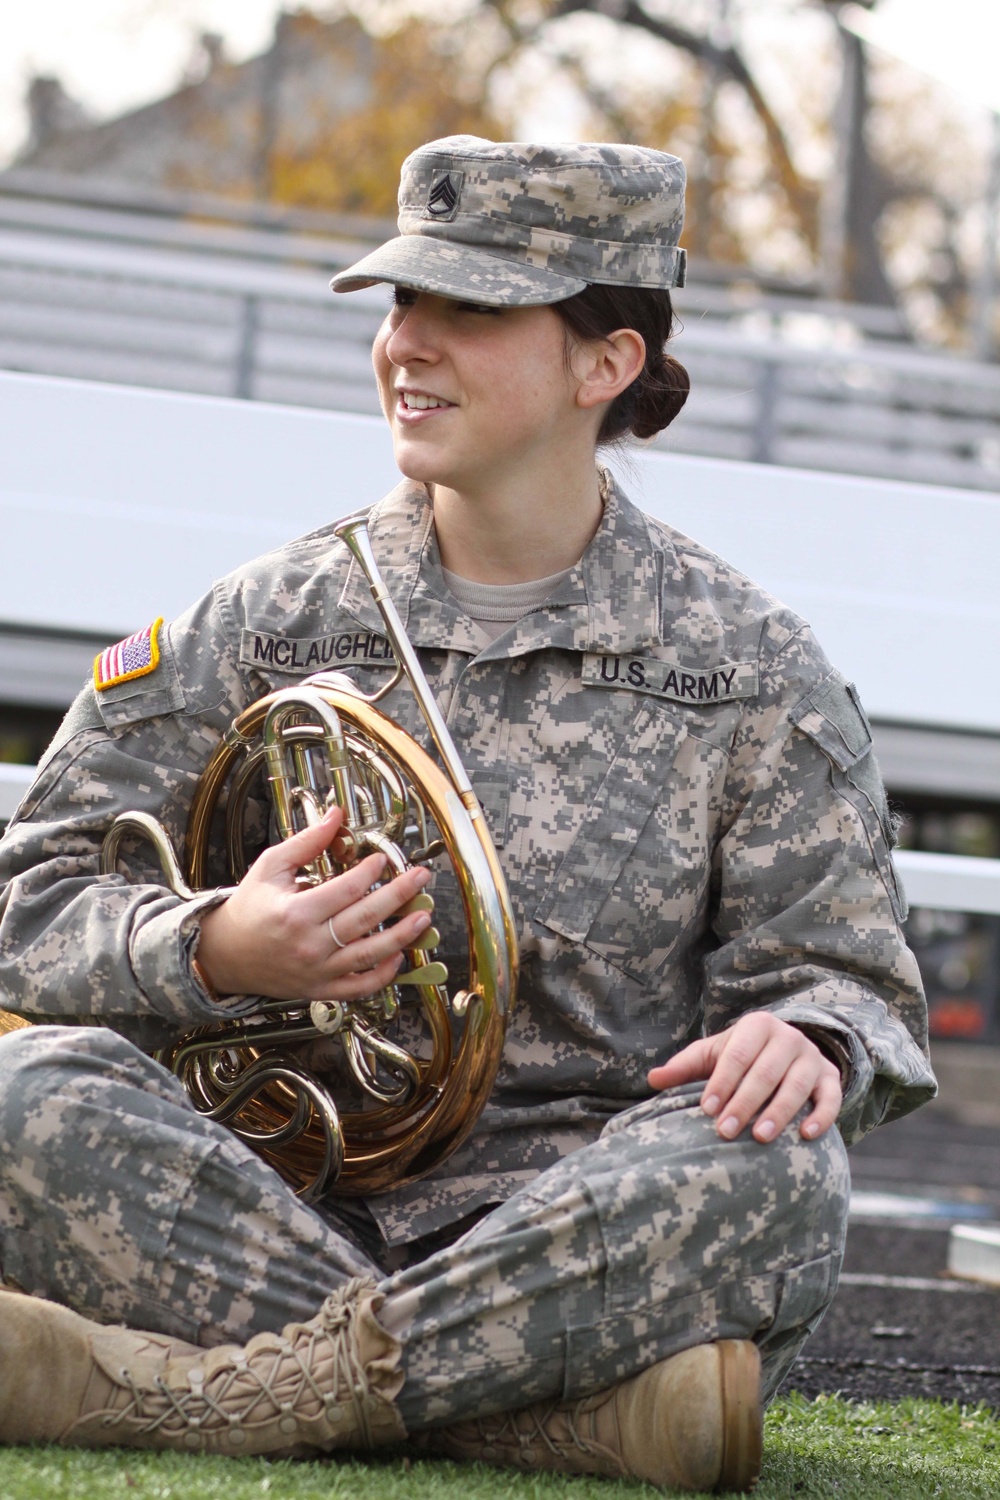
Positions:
{"x": 661, "y": 388}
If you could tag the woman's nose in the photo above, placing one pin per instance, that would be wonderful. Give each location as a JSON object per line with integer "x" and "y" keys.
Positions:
{"x": 413, "y": 338}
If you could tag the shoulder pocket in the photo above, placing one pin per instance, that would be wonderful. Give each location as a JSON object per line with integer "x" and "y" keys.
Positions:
{"x": 145, "y": 697}
{"x": 833, "y": 718}
{"x": 623, "y": 887}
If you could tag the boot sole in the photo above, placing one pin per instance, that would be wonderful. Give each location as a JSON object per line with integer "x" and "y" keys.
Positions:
{"x": 743, "y": 1415}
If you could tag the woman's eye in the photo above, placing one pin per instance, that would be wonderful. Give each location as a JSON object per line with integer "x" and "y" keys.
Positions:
{"x": 405, "y": 296}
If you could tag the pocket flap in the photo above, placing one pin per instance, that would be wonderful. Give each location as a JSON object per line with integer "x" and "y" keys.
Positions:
{"x": 806, "y": 1289}
{"x": 833, "y": 718}
{"x": 493, "y": 790}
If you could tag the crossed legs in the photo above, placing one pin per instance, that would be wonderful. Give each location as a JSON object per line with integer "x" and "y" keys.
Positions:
{"x": 118, "y": 1200}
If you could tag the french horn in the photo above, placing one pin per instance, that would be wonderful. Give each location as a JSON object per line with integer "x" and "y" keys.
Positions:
{"x": 319, "y": 743}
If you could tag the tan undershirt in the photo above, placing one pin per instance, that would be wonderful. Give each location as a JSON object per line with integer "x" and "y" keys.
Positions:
{"x": 494, "y": 606}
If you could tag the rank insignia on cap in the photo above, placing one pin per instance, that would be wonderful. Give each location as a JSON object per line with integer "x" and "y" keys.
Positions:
{"x": 442, "y": 199}
{"x": 136, "y": 656}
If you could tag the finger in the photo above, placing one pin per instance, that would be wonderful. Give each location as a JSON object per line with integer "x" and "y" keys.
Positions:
{"x": 759, "y": 1083}
{"x": 291, "y": 854}
{"x": 362, "y": 913}
{"x": 315, "y": 904}
{"x": 358, "y": 984}
{"x": 742, "y": 1046}
{"x": 799, "y": 1084}
{"x": 369, "y": 947}
{"x": 828, "y": 1096}
{"x": 692, "y": 1062}
{"x": 375, "y": 947}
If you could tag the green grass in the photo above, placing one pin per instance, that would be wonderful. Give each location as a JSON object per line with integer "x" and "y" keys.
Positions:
{"x": 823, "y": 1450}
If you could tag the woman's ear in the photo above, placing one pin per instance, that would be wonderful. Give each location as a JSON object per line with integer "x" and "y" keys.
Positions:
{"x": 606, "y": 367}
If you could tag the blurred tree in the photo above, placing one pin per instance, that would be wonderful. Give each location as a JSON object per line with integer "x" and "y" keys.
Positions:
{"x": 748, "y": 187}
{"x": 322, "y": 118}
{"x": 929, "y": 229}
{"x": 716, "y": 49}
{"x": 679, "y": 113}
{"x": 891, "y": 214}
{"x": 859, "y": 189}
{"x": 417, "y": 84}
{"x": 325, "y": 115}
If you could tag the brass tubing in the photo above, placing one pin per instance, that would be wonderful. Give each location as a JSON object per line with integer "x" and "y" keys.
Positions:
{"x": 240, "y": 1071}
{"x": 353, "y": 531}
{"x": 389, "y": 1147}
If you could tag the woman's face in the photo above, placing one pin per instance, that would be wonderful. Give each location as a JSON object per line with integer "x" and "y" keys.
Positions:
{"x": 473, "y": 393}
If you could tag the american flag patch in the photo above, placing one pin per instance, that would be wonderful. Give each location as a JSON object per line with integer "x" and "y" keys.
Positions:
{"x": 135, "y": 656}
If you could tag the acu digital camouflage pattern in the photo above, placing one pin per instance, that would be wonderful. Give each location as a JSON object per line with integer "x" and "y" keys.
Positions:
{"x": 118, "y": 1200}
{"x": 672, "y": 862}
{"x": 692, "y": 826}
{"x": 512, "y": 224}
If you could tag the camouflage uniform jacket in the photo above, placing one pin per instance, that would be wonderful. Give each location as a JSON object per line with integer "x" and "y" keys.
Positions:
{"x": 681, "y": 789}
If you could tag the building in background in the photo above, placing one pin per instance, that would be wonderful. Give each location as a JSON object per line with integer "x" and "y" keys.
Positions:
{"x": 321, "y": 119}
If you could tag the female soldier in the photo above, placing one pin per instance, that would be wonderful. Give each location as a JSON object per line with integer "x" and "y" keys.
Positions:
{"x": 649, "y": 1217}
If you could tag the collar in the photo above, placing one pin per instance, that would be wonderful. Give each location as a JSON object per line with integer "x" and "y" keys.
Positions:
{"x": 609, "y": 603}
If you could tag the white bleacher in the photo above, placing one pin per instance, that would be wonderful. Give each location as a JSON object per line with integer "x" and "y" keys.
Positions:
{"x": 98, "y": 291}
{"x": 118, "y": 504}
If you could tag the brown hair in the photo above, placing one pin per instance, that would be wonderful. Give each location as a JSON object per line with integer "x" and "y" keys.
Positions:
{"x": 660, "y": 389}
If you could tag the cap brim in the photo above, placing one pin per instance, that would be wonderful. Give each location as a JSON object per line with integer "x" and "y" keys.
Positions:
{"x": 428, "y": 265}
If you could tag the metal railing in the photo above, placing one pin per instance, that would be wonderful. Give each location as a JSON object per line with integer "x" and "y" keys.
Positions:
{"x": 949, "y": 882}
{"x": 237, "y": 312}
{"x": 896, "y": 413}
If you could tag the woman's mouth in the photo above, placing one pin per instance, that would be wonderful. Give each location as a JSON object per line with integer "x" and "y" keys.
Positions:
{"x": 413, "y": 405}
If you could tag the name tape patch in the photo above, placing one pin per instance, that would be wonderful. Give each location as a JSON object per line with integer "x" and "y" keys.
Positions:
{"x": 136, "y": 656}
{"x": 287, "y": 653}
{"x": 669, "y": 679}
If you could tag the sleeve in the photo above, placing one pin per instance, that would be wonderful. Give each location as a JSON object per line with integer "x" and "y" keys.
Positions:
{"x": 117, "y": 949}
{"x": 808, "y": 916}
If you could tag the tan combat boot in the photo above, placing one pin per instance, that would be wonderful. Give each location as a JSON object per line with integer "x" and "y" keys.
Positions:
{"x": 329, "y": 1383}
{"x": 692, "y": 1422}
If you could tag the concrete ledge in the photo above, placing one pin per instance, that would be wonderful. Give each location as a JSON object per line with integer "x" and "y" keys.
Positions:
{"x": 949, "y": 882}
{"x": 14, "y": 782}
{"x": 974, "y": 1252}
{"x": 969, "y": 1080}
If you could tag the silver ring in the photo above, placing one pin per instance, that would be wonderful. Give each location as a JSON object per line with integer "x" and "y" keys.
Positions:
{"x": 336, "y": 940}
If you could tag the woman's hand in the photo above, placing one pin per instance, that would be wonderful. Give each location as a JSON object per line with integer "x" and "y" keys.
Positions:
{"x": 274, "y": 938}
{"x": 760, "y": 1065}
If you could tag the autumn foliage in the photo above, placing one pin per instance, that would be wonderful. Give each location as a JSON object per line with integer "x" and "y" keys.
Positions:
{"x": 407, "y": 87}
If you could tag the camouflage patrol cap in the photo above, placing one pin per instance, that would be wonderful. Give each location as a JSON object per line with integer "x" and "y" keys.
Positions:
{"x": 516, "y": 225}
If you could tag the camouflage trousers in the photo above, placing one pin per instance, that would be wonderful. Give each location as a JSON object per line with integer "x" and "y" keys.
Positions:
{"x": 117, "y": 1199}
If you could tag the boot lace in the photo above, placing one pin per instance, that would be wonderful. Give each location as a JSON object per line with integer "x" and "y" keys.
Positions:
{"x": 280, "y": 1380}
{"x": 534, "y": 1424}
